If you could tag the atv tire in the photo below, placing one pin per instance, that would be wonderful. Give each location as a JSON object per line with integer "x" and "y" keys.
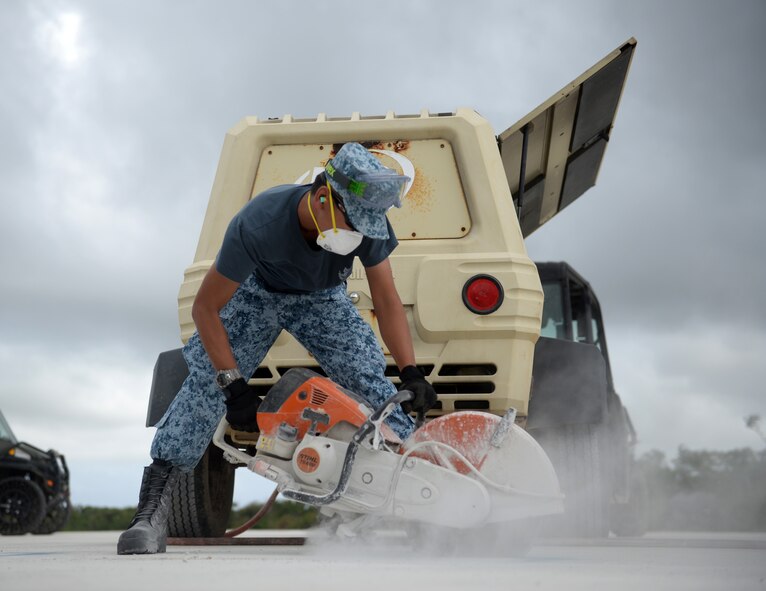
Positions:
{"x": 201, "y": 502}
{"x": 22, "y": 506}
{"x": 576, "y": 453}
{"x": 56, "y": 517}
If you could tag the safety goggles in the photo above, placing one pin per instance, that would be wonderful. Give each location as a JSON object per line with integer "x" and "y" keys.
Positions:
{"x": 381, "y": 190}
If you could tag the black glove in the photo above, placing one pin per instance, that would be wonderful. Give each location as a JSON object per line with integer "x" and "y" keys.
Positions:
{"x": 424, "y": 395}
{"x": 242, "y": 405}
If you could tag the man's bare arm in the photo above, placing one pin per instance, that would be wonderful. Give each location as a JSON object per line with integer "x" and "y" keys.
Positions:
{"x": 390, "y": 313}
{"x": 214, "y": 293}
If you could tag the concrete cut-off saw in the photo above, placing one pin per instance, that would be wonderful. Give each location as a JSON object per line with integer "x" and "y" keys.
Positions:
{"x": 326, "y": 447}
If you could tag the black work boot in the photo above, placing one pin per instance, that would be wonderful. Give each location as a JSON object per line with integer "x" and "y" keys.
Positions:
{"x": 148, "y": 532}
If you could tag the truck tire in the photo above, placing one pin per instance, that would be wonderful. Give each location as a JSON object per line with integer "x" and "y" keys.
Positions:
{"x": 576, "y": 453}
{"x": 201, "y": 502}
{"x": 56, "y": 517}
{"x": 22, "y": 506}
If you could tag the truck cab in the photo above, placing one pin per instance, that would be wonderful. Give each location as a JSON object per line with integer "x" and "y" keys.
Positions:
{"x": 586, "y": 412}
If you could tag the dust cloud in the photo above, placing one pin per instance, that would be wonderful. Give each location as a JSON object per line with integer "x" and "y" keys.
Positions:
{"x": 380, "y": 537}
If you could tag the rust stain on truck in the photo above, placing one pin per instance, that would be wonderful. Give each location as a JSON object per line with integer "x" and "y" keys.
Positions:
{"x": 419, "y": 197}
{"x": 395, "y": 145}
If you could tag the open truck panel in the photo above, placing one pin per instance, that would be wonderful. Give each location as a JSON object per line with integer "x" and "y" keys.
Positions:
{"x": 553, "y": 155}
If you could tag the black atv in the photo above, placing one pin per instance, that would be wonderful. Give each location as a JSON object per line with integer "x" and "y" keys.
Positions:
{"x": 34, "y": 487}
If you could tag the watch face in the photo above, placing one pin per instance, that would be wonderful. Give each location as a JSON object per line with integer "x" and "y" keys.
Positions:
{"x": 223, "y": 378}
{"x": 226, "y": 376}
{"x": 220, "y": 379}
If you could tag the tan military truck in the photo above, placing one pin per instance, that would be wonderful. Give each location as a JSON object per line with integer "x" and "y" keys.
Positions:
{"x": 474, "y": 300}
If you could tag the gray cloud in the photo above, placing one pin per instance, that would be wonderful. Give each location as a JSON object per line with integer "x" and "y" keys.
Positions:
{"x": 675, "y": 216}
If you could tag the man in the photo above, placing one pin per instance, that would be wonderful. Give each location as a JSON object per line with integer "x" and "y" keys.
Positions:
{"x": 283, "y": 264}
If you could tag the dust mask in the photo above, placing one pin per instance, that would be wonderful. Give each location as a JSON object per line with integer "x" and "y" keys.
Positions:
{"x": 338, "y": 240}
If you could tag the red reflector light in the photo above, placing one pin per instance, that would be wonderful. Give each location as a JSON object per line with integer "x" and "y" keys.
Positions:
{"x": 482, "y": 294}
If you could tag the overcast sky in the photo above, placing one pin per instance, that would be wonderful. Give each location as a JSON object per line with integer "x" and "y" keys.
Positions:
{"x": 112, "y": 117}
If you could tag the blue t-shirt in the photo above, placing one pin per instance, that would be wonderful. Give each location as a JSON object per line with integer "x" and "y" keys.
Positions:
{"x": 265, "y": 238}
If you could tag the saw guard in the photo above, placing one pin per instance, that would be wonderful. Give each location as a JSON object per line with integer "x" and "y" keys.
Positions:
{"x": 515, "y": 469}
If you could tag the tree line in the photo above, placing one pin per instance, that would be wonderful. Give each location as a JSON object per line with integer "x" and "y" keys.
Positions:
{"x": 705, "y": 490}
{"x": 282, "y": 515}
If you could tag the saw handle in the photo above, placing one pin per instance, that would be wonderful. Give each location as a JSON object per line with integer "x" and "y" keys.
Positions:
{"x": 404, "y": 396}
{"x": 369, "y": 424}
{"x": 420, "y": 416}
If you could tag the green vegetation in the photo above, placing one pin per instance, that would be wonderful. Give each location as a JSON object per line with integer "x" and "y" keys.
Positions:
{"x": 283, "y": 515}
{"x": 99, "y": 518}
{"x": 706, "y": 490}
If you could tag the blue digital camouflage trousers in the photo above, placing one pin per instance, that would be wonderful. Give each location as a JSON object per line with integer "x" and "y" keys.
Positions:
{"x": 326, "y": 323}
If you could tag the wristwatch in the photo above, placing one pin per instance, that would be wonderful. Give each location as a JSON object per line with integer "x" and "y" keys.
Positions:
{"x": 224, "y": 377}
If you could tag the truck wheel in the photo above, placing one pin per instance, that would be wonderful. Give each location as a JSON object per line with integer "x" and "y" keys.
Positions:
{"x": 201, "y": 502}
{"x": 576, "y": 454}
{"x": 56, "y": 517}
{"x": 22, "y": 506}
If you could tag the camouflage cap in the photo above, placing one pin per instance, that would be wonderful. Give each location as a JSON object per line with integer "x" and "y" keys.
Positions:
{"x": 367, "y": 187}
